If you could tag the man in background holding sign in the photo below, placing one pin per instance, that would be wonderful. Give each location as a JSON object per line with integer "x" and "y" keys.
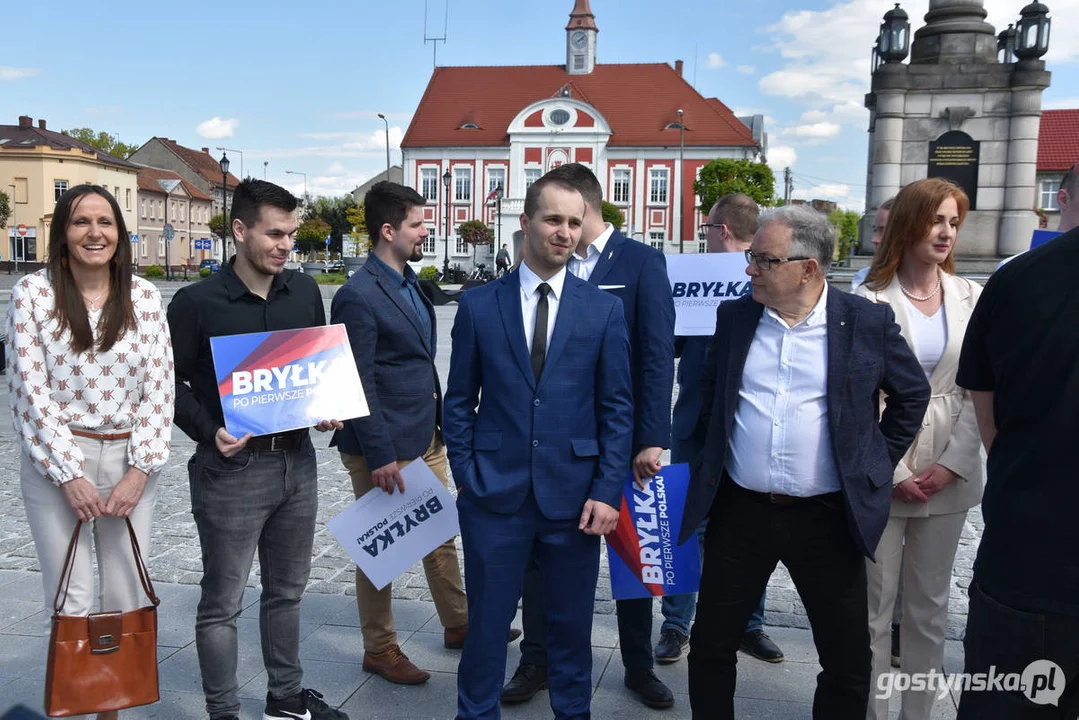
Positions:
{"x": 539, "y": 441}
{"x": 249, "y": 493}
{"x": 730, "y": 227}
{"x": 637, "y": 274}
{"x": 391, "y": 328}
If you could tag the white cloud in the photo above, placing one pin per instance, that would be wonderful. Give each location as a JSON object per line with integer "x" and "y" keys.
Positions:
{"x": 746, "y": 69}
{"x": 216, "y": 128}
{"x": 815, "y": 131}
{"x": 13, "y": 73}
{"x": 781, "y": 156}
{"x": 335, "y": 169}
{"x": 825, "y": 191}
{"x": 1064, "y": 104}
{"x": 715, "y": 60}
{"x": 377, "y": 140}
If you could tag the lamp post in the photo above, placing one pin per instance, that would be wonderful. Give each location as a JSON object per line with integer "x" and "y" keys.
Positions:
{"x": 447, "y": 178}
{"x": 1033, "y": 39}
{"x": 14, "y": 224}
{"x": 238, "y": 152}
{"x": 296, "y": 172}
{"x": 894, "y": 35}
{"x": 224, "y": 206}
{"x": 264, "y": 164}
{"x": 167, "y": 232}
{"x": 387, "y": 123}
{"x": 681, "y": 190}
{"x": 499, "y": 192}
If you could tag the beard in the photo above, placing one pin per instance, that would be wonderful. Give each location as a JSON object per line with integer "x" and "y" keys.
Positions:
{"x": 417, "y": 254}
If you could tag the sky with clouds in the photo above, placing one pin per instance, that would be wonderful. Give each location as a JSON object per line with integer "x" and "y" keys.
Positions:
{"x": 299, "y": 86}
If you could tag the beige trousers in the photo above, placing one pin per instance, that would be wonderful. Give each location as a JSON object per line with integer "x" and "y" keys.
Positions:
{"x": 52, "y": 521}
{"x": 440, "y": 565}
{"x": 923, "y": 549}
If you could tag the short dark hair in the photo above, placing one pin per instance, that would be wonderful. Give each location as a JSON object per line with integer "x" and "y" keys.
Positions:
{"x": 251, "y": 194}
{"x": 584, "y": 181}
{"x": 739, "y": 213}
{"x": 536, "y": 189}
{"x": 388, "y": 202}
{"x": 1070, "y": 183}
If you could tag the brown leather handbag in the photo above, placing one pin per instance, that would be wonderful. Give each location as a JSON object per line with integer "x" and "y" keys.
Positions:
{"x": 102, "y": 661}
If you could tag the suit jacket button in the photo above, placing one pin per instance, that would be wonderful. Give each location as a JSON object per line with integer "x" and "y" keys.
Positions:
{"x": 535, "y": 443}
{"x": 434, "y": 396}
{"x": 536, "y": 402}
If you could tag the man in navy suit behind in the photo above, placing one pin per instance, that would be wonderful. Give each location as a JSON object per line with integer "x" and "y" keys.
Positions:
{"x": 796, "y": 444}
{"x": 538, "y": 426}
{"x": 636, "y": 274}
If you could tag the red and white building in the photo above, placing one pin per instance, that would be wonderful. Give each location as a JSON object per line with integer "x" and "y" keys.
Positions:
{"x": 1058, "y": 152}
{"x": 641, "y": 128}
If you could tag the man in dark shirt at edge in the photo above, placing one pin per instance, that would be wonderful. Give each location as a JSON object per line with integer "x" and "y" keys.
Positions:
{"x": 249, "y": 493}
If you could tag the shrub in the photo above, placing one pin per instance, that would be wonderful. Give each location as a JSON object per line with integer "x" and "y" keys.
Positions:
{"x": 205, "y": 272}
{"x": 154, "y": 271}
{"x": 427, "y": 272}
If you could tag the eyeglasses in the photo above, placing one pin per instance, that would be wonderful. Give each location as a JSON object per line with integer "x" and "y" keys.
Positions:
{"x": 766, "y": 263}
{"x": 705, "y": 226}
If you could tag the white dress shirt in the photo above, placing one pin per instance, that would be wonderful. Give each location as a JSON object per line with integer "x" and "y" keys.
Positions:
{"x": 584, "y": 267}
{"x": 780, "y": 441}
{"x": 530, "y": 296}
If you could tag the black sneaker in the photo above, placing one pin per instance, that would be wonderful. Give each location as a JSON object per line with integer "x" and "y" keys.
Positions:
{"x": 670, "y": 647}
{"x": 304, "y": 705}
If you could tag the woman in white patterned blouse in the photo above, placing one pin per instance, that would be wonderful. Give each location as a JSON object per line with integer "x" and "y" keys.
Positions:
{"x": 89, "y": 366}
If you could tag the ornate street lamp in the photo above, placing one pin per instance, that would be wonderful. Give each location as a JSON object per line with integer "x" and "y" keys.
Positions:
{"x": 874, "y": 56}
{"x": 1006, "y": 45}
{"x": 894, "y": 35}
{"x": 499, "y": 193}
{"x": 447, "y": 178}
{"x": 224, "y": 206}
{"x": 1033, "y": 39}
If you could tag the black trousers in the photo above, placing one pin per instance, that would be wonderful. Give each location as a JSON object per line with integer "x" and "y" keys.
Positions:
{"x": 747, "y": 535}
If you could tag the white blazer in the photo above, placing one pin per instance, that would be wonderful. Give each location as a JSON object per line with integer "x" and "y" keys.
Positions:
{"x": 949, "y": 434}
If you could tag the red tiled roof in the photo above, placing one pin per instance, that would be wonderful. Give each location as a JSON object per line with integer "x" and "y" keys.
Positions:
{"x": 16, "y": 137}
{"x": 1058, "y": 140}
{"x": 203, "y": 163}
{"x": 500, "y": 93}
{"x": 148, "y": 177}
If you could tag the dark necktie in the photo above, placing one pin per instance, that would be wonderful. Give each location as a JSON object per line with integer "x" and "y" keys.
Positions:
{"x": 539, "y": 336}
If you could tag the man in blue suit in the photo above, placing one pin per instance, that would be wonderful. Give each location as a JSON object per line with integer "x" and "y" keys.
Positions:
{"x": 796, "y": 444}
{"x": 391, "y": 328}
{"x": 729, "y": 228}
{"x": 637, "y": 274}
{"x": 539, "y": 426}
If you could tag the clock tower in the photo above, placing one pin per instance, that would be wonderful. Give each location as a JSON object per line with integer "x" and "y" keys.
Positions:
{"x": 581, "y": 40}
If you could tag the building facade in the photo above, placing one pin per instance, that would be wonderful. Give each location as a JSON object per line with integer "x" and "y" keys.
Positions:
{"x": 1058, "y": 152}
{"x": 185, "y": 207}
{"x": 481, "y": 128}
{"x": 199, "y": 170}
{"x": 37, "y": 166}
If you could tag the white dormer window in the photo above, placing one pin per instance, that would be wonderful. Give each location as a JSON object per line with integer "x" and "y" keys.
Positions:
{"x": 470, "y": 126}
{"x": 674, "y": 126}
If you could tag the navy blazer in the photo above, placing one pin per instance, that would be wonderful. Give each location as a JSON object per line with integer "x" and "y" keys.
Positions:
{"x": 566, "y": 438}
{"x": 691, "y": 351}
{"x": 636, "y": 273}
{"x": 866, "y": 354}
{"x": 397, "y": 369}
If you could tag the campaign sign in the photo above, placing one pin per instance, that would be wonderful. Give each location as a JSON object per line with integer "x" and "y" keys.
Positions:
{"x": 272, "y": 382}
{"x": 1041, "y": 237}
{"x": 699, "y": 283}
{"x": 387, "y": 534}
{"x": 643, "y": 552}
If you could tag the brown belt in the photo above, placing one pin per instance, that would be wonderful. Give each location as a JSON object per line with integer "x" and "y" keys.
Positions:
{"x": 782, "y": 500}
{"x": 100, "y": 436}
{"x": 276, "y": 443}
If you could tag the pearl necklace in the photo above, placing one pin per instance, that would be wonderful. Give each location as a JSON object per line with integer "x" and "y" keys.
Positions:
{"x": 919, "y": 298}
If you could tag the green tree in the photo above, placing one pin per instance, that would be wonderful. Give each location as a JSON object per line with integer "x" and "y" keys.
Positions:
{"x": 724, "y": 176}
{"x": 357, "y": 215}
{"x": 846, "y": 225}
{"x": 611, "y": 214}
{"x": 218, "y": 225}
{"x": 475, "y": 233}
{"x": 5, "y": 210}
{"x": 102, "y": 141}
{"x": 334, "y": 212}
{"x": 311, "y": 236}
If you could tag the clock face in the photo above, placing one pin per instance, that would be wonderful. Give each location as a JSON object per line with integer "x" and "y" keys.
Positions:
{"x": 579, "y": 39}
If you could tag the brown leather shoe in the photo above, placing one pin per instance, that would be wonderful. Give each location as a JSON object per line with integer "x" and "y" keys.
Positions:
{"x": 394, "y": 666}
{"x": 454, "y": 638}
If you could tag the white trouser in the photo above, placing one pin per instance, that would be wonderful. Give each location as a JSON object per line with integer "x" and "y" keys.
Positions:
{"x": 52, "y": 521}
{"x": 924, "y": 550}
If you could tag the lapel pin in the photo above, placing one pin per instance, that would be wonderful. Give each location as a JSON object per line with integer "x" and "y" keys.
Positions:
{"x": 842, "y": 322}
{"x": 610, "y": 254}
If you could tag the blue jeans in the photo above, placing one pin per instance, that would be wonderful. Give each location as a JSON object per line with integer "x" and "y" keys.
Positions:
{"x": 1008, "y": 640}
{"x": 678, "y": 609}
{"x": 255, "y": 500}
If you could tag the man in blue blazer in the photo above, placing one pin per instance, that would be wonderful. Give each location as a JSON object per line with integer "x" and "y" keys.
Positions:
{"x": 391, "y": 328}
{"x": 636, "y": 274}
{"x": 539, "y": 423}
{"x": 796, "y": 444}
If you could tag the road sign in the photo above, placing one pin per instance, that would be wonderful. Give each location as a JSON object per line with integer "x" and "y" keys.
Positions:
{"x": 202, "y": 244}
{"x": 169, "y": 232}
{"x": 21, "y": 229}
{"x": 134, "y": 238}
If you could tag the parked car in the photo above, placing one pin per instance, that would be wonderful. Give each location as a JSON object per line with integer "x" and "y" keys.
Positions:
{"x": 335, "y": 266}
{"x": 211, "y": 263}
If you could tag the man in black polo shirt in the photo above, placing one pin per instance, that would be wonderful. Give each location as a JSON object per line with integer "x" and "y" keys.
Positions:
{"x": 1020, "y": 361}
{"x": 249, "y": 493}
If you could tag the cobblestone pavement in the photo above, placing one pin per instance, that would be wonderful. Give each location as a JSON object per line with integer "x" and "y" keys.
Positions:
{"x": 174, "y": 548}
